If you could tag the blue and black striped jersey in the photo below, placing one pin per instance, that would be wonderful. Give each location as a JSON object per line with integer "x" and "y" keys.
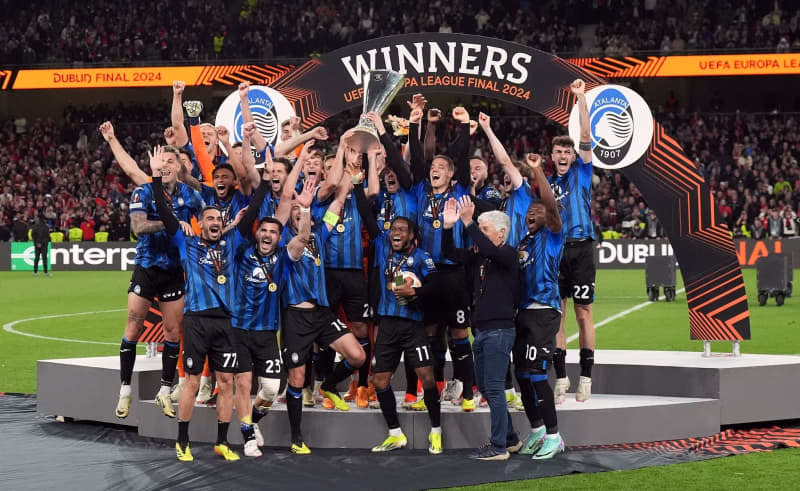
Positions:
{"x": 574, "y": 191}
{"x": 392, "y": 263}
{"x": 260, "y": 283}
{"x": 269, "y": 206}
{"x": 540, "y": 260}
{"x": 516, "y": 207}
{"x": 491, "y": 194}
{"x": 157, "y": 250}
{"x": 343, "y": 250}
{"x": 209, "y": 269}
{"x": 431, "y": 208}
{"x": 230, "y": 207}
{"x": 306, "y": 281}
{"x": 403, "y": 203}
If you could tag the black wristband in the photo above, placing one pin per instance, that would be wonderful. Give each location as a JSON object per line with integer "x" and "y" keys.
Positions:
{"x": 585, "y": 146}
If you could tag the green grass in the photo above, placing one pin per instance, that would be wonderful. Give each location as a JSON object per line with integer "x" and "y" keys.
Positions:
{"x": 25, "y": 296}
{"x": 772, "y": 470}
{"x": 660, "y": 326}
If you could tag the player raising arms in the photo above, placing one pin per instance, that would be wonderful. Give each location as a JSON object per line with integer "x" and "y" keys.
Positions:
{"x": 451, "y": 307}
{"x": 158, "y": 272}
{"x": 308, "y": 319}
{"x": 391, "y": 185}
{"x": 539, "y": 316}
{"x": 261, "y": 270}
{"x": 572, "y": 185}
{"x": 210, "y": 281}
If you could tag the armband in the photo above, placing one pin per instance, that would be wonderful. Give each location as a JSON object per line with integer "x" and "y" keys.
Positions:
{"x": 585, "y": 146}
{"x": 330, "y": 218}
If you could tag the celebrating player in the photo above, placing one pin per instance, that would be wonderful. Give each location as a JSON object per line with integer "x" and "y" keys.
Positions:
{"x": 451, "y": 307}
{"x": 261, "y": 270}
{"x": 309, "y": 320}
{"x": 539, "y": 317}
{"x": 572, "y": 185}
{"x": 158, "y": 272}
{"x": 208, "y": 263}
{"x": 403, "y": 266}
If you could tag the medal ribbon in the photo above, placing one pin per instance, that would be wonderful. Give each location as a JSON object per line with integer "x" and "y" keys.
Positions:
{"x": 266, "y": 267}
{"x": 391, "y": 269}
{"x": 436, "y": 204}
{"x": 311, "y": 246}
{"x": 216, "y": 257}
{"x": 388, "y": 207}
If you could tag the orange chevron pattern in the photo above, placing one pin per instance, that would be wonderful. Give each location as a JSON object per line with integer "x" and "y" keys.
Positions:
{"x": 728, "y": 442}
{"x": 152, "y": 326}
{"x": 5, "y": 77}
{"x": 306, "y": 102}
{"x": 559, "y": 112}
{"x": 627, "y": 67}
{"x": 235, "y": 74}
{"x": 717, "y": 300}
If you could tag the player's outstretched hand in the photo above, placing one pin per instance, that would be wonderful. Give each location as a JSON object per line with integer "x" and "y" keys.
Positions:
{"x": 450, "y": 213}
{"x": 156, "y": 160}
{"x": 466, "y": 208}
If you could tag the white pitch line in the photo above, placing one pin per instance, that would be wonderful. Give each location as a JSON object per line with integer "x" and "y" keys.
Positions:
{"x": 622, "y": 314}
{"x": 9, "y": 327}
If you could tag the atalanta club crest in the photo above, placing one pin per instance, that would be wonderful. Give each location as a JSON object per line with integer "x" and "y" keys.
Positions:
{"x": 268, "y": 106}
{"x": 621, "y": 126}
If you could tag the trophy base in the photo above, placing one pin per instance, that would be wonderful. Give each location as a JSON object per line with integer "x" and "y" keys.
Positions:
{"x": 362, "y": 139}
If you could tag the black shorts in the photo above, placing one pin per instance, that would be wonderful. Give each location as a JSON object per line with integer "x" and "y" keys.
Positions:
{"x": 304, "y": 327}
{"x": 149, "y": 283}
{"x": 398, "y": 336}
{"x": 347, "y": 288}
{"x": 258, "y": 350}
{"x": 577, "y": 272}
{"x": 376, "y": 278}
{"x": 536, "y": 339}
{"x": 450, "y": 304}
{"x": 209, "y": 336}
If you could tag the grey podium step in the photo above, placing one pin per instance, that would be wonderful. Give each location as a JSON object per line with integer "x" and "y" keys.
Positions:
{"x": 604, "y": 419}
{"x": 88, "y": 388}
{"x": 750, "y": 387}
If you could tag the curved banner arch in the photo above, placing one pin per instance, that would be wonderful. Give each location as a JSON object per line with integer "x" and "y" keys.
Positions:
{"x": 625, "y": 138}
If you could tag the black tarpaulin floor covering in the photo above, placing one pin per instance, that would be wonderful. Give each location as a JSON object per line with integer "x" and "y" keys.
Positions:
{"x": 38, "y": 452}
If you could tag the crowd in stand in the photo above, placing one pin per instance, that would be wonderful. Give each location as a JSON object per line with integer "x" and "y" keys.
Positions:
{"x": 65, "y": 173}
{"x": 670, "y": 27}
{"x": 93, "y": 31}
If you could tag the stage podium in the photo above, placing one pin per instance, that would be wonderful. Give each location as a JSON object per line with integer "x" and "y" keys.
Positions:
{"x": 638, "y": 396}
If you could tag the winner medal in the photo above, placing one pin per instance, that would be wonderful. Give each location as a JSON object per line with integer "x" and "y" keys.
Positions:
{"x": 340, "y": 228}
{"x": 437, "y": 223}
{"x": 387, "y": 225}
{"x": 273, "y": 287}
{"x": 221, "y": 279}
